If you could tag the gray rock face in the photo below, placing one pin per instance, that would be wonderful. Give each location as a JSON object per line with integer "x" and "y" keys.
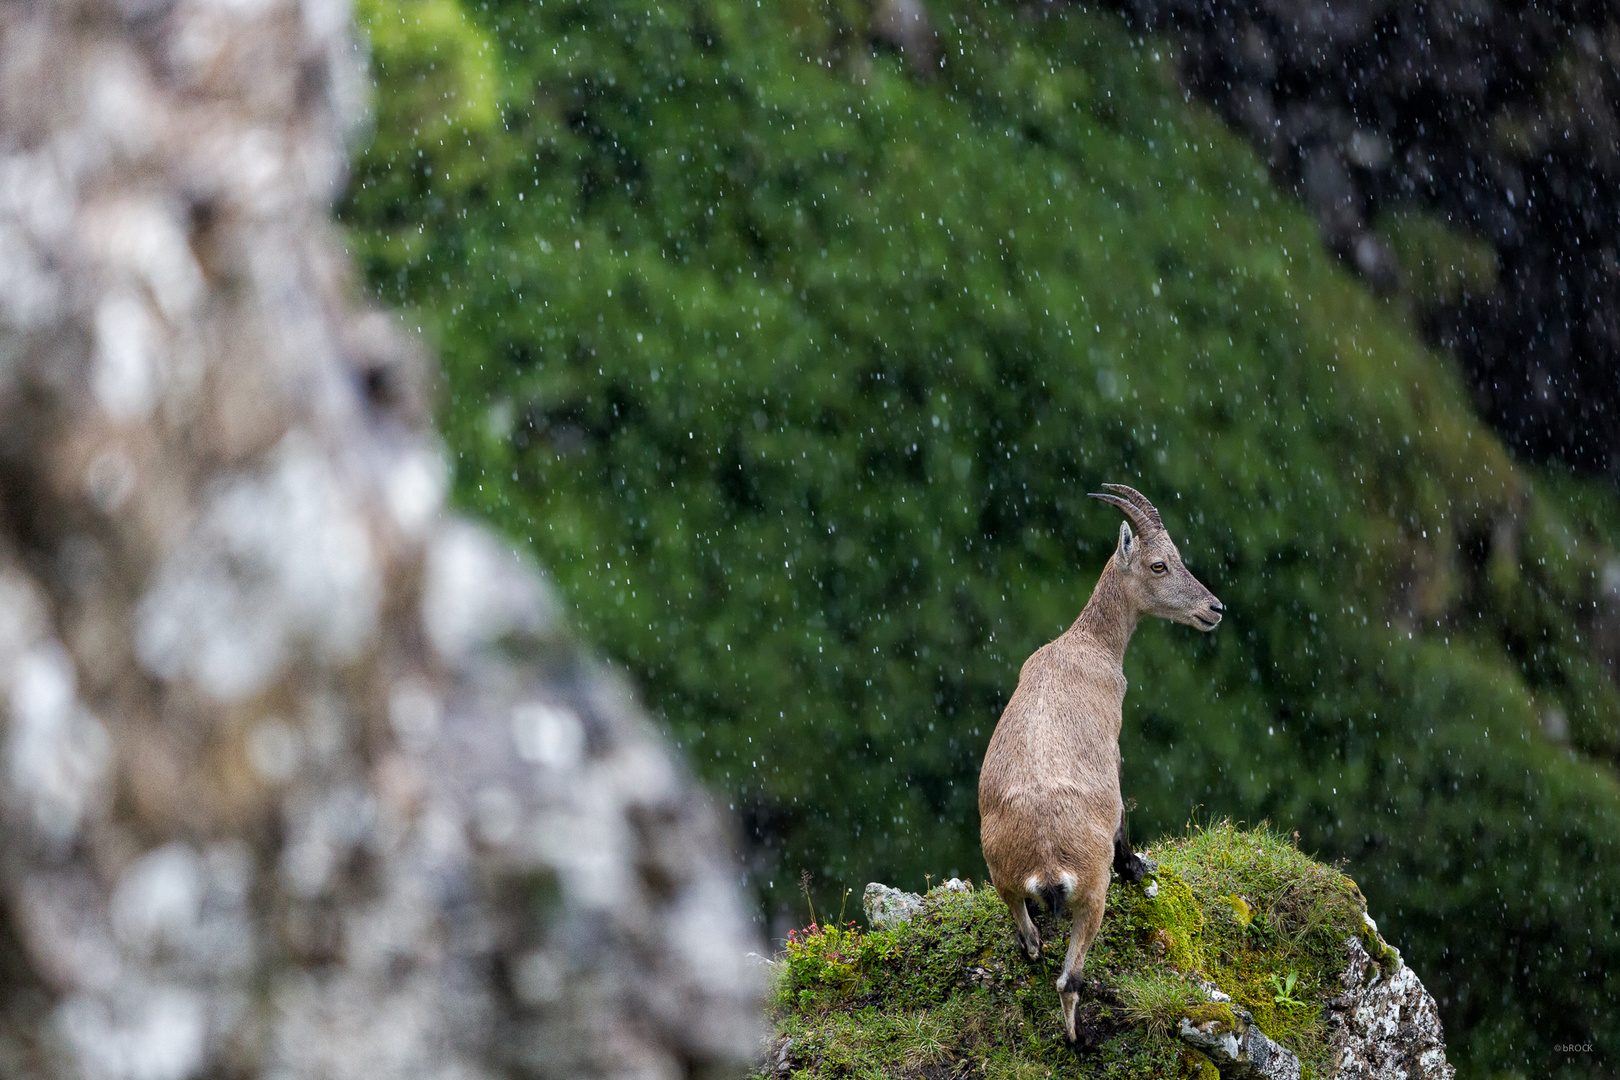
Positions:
{"x": 886, "y": 907}
{"x": 299, "y": 775}
{"x": 1241, "y": 1051}
{"x": 1385, "y": 1024}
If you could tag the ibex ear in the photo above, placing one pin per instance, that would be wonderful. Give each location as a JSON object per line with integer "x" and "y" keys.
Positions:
{"x": 1127, "y": 544}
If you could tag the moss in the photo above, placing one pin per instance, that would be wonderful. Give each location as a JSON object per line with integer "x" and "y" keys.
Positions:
{"x": 1441, "y": 264}
{"x": 1385, "y": 955}
{"x": 950, "y": 988}
{"x": 1199, "y": 1067}
{"x": 1218, "y": 1011}
{"x": 1170, "y": 923}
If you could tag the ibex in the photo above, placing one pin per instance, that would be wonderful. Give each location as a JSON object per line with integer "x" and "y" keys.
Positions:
{"x": 1051, "y": 817}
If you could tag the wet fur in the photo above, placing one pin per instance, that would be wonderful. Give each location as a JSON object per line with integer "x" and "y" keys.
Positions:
{"x": 1051, "y": 816}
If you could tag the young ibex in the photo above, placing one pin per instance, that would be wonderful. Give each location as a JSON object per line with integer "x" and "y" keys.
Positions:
{"x": 1051, "y": 817}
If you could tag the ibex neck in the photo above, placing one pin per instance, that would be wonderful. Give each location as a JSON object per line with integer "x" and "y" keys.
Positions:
{"x": 1109, "y": 617}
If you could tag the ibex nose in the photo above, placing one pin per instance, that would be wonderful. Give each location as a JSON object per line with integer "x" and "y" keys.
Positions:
{"x": 1216, "y": 606}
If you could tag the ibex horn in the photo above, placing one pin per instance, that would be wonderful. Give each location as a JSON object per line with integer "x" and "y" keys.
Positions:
{"x": 1139, "y": 499}
{"x": 1135, "y": 506}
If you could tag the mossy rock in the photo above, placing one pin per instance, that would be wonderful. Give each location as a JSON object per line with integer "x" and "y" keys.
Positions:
{"x": 949, "y": 994}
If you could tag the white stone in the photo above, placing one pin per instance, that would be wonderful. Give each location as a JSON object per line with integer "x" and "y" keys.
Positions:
{"x": 158, "y": 900}
{"x": 1384, "y": 1023}
{"x": 415, "y": 714}
{"x": 57, "y": 754}
{"x": 277, "y": 558}
{"x": 156, "y": 1034}
{"x": 888, "y": 907}
{"x": 476, "y": 592}
{"x": 415, "y": 485}
{"x": 125, "y": 380}
{"x": 547, "y": 735}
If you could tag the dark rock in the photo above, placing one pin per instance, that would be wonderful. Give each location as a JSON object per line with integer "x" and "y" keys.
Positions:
{"x": 1502, "y": 120}
{"x": 905, "y": 25}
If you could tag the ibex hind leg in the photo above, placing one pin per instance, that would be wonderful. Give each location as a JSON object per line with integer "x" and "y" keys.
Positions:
{"x": 1131, "y": 866}
{"x": 1053, "y": 898}
{"x": 1087, "y": 905}
{"x": 1029, "y": 938}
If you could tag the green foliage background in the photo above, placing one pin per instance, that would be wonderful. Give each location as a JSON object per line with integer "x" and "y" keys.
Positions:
{"x": 794, "y": 366}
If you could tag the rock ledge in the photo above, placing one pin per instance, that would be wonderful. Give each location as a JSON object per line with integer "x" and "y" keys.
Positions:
{"x": 1385, "y": 1024}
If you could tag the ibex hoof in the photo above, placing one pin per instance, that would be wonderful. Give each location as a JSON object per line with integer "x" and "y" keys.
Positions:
{"x": 1080, "y": 1045}
{"x": 1138, "y": 867}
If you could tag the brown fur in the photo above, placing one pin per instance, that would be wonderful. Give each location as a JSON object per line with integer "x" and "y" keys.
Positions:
{"x": 1049, "y": 797}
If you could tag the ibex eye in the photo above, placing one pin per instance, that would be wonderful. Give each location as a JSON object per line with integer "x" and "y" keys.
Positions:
{"x": 1158, "y": 568}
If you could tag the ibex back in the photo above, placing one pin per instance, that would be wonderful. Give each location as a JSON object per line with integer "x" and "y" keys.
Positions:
{"x": 1051, "y": 816}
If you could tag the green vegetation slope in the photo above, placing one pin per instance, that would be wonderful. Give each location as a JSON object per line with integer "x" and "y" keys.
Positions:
{"x": 794, "y": 369}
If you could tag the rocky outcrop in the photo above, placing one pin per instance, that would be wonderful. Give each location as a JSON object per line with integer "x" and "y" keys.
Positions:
{"x": 886, "y": 906}
{"x": 1238, "y": 1048}
{"x": 299, "y": 775}
{"x": 1384, "y": 1023}
{"x": 1233, "y": 1042}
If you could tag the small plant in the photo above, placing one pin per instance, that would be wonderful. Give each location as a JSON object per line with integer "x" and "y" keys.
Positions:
{"x": 926, "y": 1039}
{"x": 1253, "y": 920}
{"x": 804, "y": 891}
{"x": 823, "y": 963}
{"x": 1285, "y": 990}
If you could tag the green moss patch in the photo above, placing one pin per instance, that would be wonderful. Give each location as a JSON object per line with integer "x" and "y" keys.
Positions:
{"x": 949, "y": 994}
{"x": 1441, "y": 264}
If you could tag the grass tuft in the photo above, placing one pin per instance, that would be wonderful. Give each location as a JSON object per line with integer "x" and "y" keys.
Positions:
{"x": 1156, "y": 1000}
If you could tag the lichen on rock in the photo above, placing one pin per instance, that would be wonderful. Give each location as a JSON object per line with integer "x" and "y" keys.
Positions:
{"x": 1384, "y": 1023}
{"x": 1237, "y": 1047}
{"x": 886, "y": 907}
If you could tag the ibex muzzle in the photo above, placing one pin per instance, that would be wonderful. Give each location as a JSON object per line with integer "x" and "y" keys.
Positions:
{"x": 1051, "y": 817}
